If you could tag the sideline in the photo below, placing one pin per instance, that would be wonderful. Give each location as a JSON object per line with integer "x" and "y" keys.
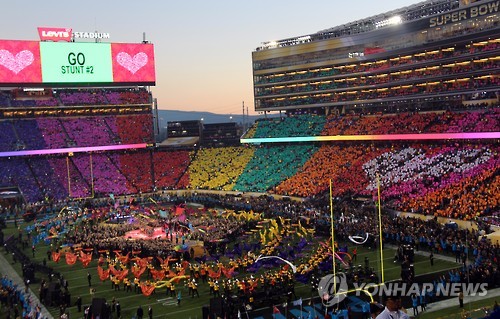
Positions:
{"x": 453, "y": 302}
{"x": 7, "y": 270}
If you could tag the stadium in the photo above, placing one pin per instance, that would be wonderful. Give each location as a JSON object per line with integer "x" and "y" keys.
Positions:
{"x": 383, "y": 145}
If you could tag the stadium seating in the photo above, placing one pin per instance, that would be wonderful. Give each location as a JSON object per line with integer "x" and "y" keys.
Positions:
{"x": 49, "y": 184}
{"x": 330, "y": 162}
{"x": 7, "y": 136}
{"x": 296, "y": 125}
{"x": 132, "y": 166}
{"x": 15, "y": 171}
{"x": 136, "y": 129}
{"x": 218, "y": 168}
{"x": 53, "y": 133}
{"x": 272, "y": 164}
{"x": 171, "y": 169}
{"x": 76, "y": 186}
{"x": 5, "y": 99}
{"x": 413, "y": 176}
{"x": 88, "y": 131}
{"x": 82, "y": 98}
{"x": 347, "y": 164}
{"x": 30, "y": 134}
{"x": 105, "y": 176}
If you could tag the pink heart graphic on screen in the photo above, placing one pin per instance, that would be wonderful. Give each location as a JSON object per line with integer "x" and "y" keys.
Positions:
{"x": 133, "y": 64}
{"x": 18, "y": 62}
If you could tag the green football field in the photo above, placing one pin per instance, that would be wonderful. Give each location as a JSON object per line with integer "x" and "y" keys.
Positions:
{"x": 165, "y": 306}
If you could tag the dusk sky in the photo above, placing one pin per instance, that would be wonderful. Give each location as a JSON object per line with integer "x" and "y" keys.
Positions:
{"x": 202, "y": 48}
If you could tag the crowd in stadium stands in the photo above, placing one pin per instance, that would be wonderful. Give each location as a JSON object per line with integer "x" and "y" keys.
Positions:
{"x": 53, "y": 133}
{"x": 71, "y": 97}
{"x": 250, "y": 133}
{"x": 66, "y": 132}
{"x": 330, "y": 161}
{"x": 82, "y": 98}
{"x": 326, "y": 164}
{"x": 218, "y": 168}
{"x": 184, "y": 180}
{"x": 34, "y": 103}
{"x": 411, "y": 164}
{"x": 88, "y": 131}
{"x": 271, "y": 164}
{"x": 15, "y": 171}
{"x": 15, "y": 301}
{"x": 431, "y": 122}
{"x": 7, "y": 137}
{"x": 136, "y": 129}
{"x": 76, "y": 186}
{"x": 423, "y": 182}
{"x": 171, "y": 169}
{"x": 464, "y": 193}
{"x": 103, "y": 97}
{"x": 467, "y": 122}
{"x": 132, "y": 166}
{"x": 28, "y": 138}
{"x": 47, "y": 177}
{"x": 128, "y": 97}
{"x": 301, "y": 125}
{"x": 4, "y": 98}
{"x": 101, "y": 171}
{"x": 294, "y": 169}
{"x": 49, "y": 184}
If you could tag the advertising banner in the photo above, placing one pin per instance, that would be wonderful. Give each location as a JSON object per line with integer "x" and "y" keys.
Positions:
{"x": 54, "y": 34}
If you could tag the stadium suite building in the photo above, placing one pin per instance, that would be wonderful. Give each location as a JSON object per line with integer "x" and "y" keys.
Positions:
{"x": 436, "y": 54}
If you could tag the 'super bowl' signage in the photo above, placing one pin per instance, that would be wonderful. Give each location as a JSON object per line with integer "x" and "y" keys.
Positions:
{"x": 464, "y": 14}
{"x": 50, "y": 63}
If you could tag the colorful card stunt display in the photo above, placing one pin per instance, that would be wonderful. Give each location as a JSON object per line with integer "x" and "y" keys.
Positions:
{"x": 59, "y": 63}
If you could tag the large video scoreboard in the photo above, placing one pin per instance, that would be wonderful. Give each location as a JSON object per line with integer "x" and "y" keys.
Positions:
{"x": 33, "y": 63}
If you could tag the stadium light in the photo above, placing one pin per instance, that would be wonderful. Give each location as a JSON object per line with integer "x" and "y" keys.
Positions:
{"x": 390, "y": 21}
{"x": 270, "y": 44}
{"x": 395, "y": 20}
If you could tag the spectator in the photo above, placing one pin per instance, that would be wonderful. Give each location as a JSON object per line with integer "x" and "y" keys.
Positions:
{"x": 414, "y": 304}
{"x": 392, "y": 308}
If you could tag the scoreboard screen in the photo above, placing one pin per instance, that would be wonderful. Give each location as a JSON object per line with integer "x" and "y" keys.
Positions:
{"x": 76, "y": 62}
{"x": 31, "y": 63}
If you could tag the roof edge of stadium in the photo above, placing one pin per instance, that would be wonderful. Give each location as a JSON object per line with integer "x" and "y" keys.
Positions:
{"x": 408, "y": 13}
